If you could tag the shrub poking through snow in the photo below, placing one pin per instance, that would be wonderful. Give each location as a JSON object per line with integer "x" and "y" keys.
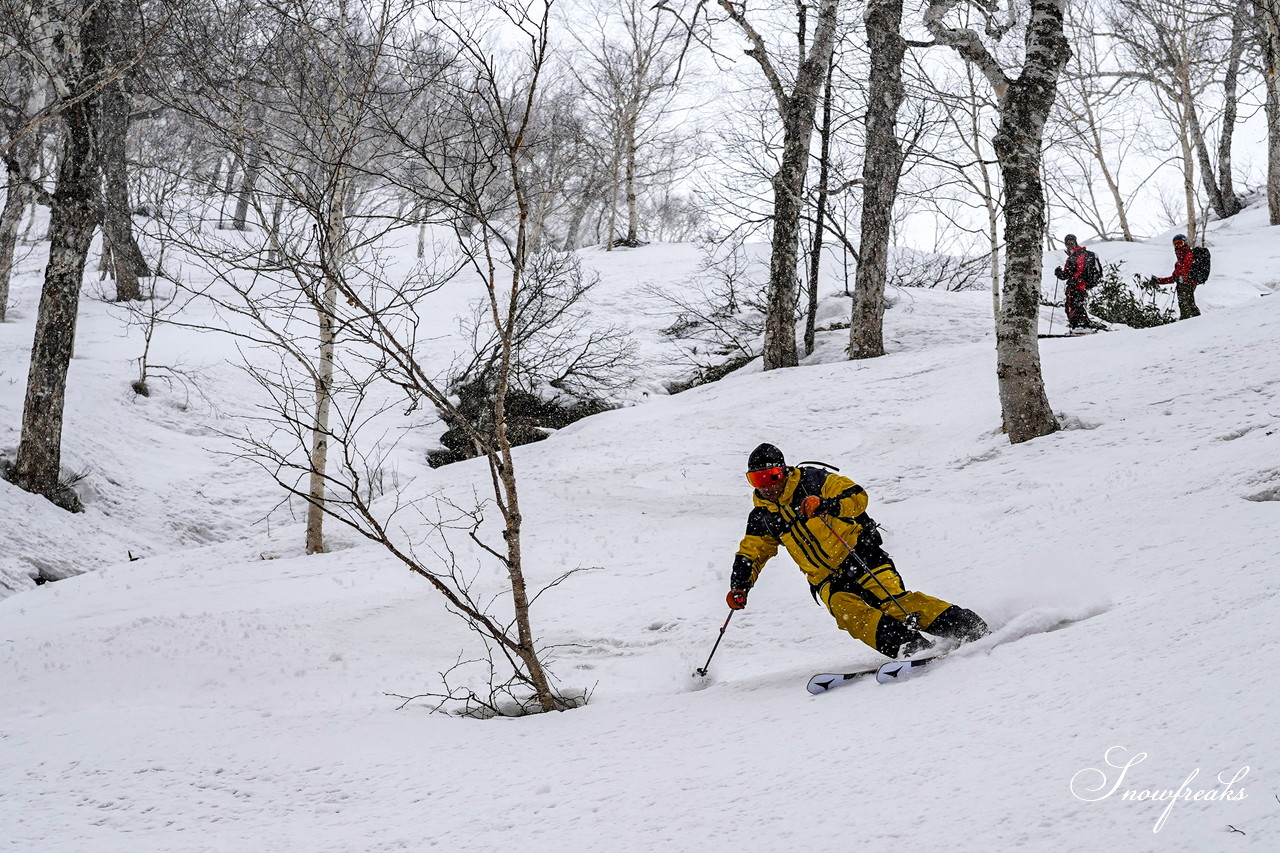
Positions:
{"x": 1136, "y": 303}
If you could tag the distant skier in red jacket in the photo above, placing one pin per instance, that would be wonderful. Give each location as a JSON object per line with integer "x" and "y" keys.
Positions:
{"x": 1184, "y": 286}
{"x": 1073, "y": 273}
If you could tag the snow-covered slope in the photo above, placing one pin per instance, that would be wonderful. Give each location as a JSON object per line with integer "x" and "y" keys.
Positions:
{"x": 207, "y": 699}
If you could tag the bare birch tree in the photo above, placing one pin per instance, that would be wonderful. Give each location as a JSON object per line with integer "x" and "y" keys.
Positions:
{"x": 23, "y": 99}
{"x": 365, "y": 125}
{"x": 1096, "y": 128}
{"x": 471, "y": 135}
{"x": 958, "y": 174}
{"x": 1228, "y": 200}
{"x": 1024, "y": 104}
{"x": 302, "y": 108}
{"x": 821, "y": 192}
{"x": 881, "y": 170}
{"x": 66, "y": 40}
{"x": 1266, "y": 17}
{"x": 795, "y": 95}
{"x": 1180, "y": 48}
{"x": 125, "y": 34}
{"x": 631, "y": 61}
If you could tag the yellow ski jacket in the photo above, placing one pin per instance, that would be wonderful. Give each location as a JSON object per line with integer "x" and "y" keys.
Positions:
{"x": 815, "y": 543}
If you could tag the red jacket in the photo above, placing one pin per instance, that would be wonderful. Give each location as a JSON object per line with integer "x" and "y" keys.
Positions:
{"x": 1072, "y": 271}
{"x": 1181, "y": 269}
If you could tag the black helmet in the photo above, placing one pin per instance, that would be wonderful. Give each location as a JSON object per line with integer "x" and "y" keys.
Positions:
{"x": 1070, "y": 240}
{"x": 765, "y": 456}
{"x": 1179, "y": 238}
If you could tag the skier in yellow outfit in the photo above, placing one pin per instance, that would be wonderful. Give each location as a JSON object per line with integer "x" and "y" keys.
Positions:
{"x": 821, "y": 518}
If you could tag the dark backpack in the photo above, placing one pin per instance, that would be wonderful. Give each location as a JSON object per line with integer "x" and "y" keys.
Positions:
{"x": 1092, "y": 270}
{"x": 1201, "y": 261}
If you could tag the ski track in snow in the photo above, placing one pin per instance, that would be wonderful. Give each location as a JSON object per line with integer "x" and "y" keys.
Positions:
{"x": 225, "y": 693}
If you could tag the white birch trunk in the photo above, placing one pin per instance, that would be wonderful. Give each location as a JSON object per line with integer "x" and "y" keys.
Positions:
{"x": 1268, "y": 17}
{"x": 1024, "y": 105}
{"x": 797, "y": 109}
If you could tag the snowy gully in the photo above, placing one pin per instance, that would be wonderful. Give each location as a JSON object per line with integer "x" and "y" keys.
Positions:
{"x": 1083, "y": 787}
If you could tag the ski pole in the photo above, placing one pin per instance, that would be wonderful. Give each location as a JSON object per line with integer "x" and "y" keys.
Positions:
{"x": 703, "y": 670}
{"x": 911, "y": 618}
{"x": 1053, "y": 306}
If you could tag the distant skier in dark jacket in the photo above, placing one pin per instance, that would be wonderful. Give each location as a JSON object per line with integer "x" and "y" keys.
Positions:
{"x": 1073, "y": 273}
{"x": 822, "y": 520}
{"x": 1181, "y": 279}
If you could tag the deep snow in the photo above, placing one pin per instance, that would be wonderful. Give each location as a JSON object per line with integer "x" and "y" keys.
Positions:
{"x": 226, "y": 693}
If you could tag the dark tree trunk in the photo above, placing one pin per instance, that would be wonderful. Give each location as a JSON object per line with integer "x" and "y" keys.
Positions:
{"x": 118, "y": 242}
{"x": 820, "y": 217}
{"x": 215, "y": 176}
{"x": 1217, "y": 182}
{"x": 17, "y": 195}
{"x": 587, "y": 197}
{"x": 252, "y": 166}
{"x": 576, "y": 218}
{"x": 1208, "y": 175}
{"x": 1273, "y": 140}
{"x": 881, "y": 169}
{"x": 1231, "y": 100}
{"x": 227, "y": 186}
{"x": 788, "y": 205}
{"x": 633, "y": 214}
{"x": 1267, "y": 24}
{"x": 14, "y": 203}
{"x": 18, "y": 191}
{"x": 73, "y": 218}
{"x": 797, "y": 110}
{"x": 277, "y": 210}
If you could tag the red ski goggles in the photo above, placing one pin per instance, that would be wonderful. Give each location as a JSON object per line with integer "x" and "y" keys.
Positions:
{"x": 767, "y": 477}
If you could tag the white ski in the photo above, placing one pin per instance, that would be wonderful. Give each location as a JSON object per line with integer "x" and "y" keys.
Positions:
{"x": 1029, "y": 624}
{"x": 894, "y": 670}
{"x": 824, "y": 681}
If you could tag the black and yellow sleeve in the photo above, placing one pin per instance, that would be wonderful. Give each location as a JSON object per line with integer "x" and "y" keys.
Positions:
{"x": 758, "y": 546}
{"x": 843, "y": 498}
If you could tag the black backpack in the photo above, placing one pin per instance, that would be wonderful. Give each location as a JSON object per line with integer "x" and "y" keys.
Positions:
{"x": 1092, "y": 270}
{"x": 1201, "y": 261}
